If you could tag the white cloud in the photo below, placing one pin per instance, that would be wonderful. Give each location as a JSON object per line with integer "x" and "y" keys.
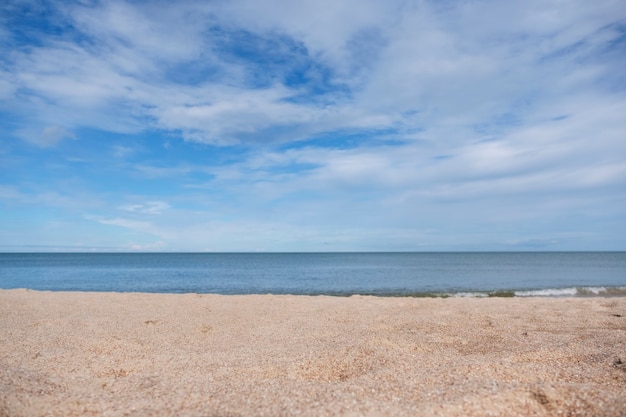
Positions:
{"x": 146, "y": 30}
{"x": 327, "y": 28}
{"x": 432, "y": 67}
{"x": 7, "y": 86}
{"x": 150, "y": 207}
{"x": 137, "y": 228}
{"x": 48, "y": 137}
{"x": 122, "y": 152}
{"x": 222, "y": 115}
{"x": 148, "y": 247}
{"x": 8, "y": 193}
{"x": 447, "y": 105}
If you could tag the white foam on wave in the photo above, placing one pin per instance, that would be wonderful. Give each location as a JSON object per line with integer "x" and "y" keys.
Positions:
{"x": 470, "y": 294}
{"x": 550, "y": 292}
{"x": 615, "y": 291}
{"x": 593, "y": 290}
{"x": 573, "y": 292}
{"x": 546, "y": 292}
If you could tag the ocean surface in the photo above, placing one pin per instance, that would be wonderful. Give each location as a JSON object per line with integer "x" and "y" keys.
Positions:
{"x": 385, "y": 274}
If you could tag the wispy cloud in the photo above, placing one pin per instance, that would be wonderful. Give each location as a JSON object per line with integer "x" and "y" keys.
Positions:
{"x": 48, "y": 137}
{"x": 343, "y": 119}
{"x": 418, "y": 51}
{"x": 150, "y": 207}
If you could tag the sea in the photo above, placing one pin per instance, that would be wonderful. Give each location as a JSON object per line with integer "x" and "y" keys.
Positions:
{"x": 454, "y": 274}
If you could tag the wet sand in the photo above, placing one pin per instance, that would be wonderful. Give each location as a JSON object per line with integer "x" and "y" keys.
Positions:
{"x": 107, "y": 354}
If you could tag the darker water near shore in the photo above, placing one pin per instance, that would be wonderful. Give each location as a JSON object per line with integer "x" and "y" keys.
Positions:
{"x": 385, "y": 274}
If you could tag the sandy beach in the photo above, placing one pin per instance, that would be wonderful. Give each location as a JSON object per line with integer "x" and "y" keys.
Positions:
{"x": 110, "y": 354}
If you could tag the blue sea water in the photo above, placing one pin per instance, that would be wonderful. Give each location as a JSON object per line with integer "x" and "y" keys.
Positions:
{"x": 386, "y": 274}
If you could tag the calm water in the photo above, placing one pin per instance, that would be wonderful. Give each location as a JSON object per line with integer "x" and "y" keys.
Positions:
{"x": 321, "y": 273}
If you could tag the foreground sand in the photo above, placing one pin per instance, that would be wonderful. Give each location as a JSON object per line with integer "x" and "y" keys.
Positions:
{"x": 65, "y": 354}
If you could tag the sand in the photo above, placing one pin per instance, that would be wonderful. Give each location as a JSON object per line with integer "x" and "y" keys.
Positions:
{"x": 108, "y": 354}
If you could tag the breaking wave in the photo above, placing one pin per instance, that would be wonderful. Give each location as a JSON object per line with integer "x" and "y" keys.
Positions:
{"x": 575, "y": 292}
{"x": 547, "y": 292}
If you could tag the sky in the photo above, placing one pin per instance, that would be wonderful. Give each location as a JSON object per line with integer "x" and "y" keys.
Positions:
{"x": 329, "y": 125}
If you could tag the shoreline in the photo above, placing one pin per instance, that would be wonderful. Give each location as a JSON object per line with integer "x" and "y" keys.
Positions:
{"x": 588, "y": 291}
{"x": 100, "y": 353}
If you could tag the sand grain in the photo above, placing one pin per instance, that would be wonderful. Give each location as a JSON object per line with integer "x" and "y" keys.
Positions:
{"x": 106, "y": 354}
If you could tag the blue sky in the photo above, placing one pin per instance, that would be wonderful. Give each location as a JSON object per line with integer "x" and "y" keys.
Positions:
{"x": 342, "y": 125}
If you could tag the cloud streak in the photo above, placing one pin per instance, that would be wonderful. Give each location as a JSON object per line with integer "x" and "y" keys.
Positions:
{"x": 352, "y": 120}
{"x": 432, "y": 67}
